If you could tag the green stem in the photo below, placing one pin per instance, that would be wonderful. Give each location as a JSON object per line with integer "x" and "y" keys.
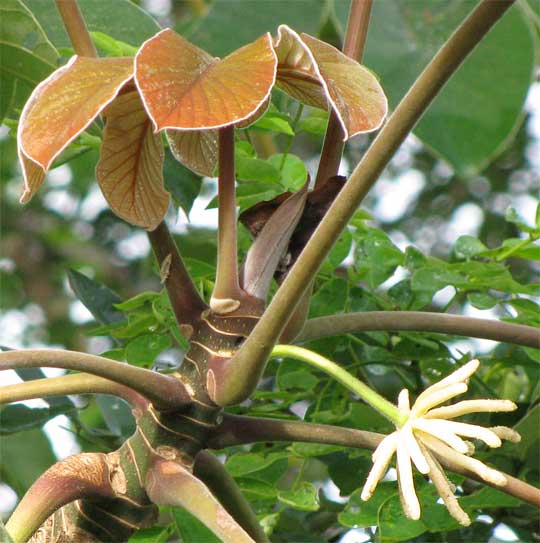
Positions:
{"x": 164, "y": 390}
{"x": 382, "y": 405}
{"x": 420, "y": 321}
{"x": 355, "y": 39}
{"x": 80, "y": 383}
{"x": 511, "y": 250}
{"x": 212, "y": 472}
{"x": 249, "y": 363}
{"x": 291, "y": 138}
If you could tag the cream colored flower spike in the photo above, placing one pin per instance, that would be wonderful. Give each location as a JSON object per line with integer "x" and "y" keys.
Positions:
{"x": 428, "y": 436}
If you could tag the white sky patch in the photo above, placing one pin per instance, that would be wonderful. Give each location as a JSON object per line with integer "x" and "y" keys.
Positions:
{"x": 62, "y": 441}
{"x": 466, "y": 219}
{"x": 93, "y": 204}
{"x": 61, "y": 202}
{"x": 442, "y": 297}
{"x": 60, "y": 177}
{"x": 503, "y": 532}
{"x": 134, "y": 247}
{"x": 356, "y": 535}
{"x": 78, "y": 313}
{"x": 199, "y": 216}
{"x": 480, "y": 345}
{"x": 8, "y": 500}
{"x": 395, "y": 195}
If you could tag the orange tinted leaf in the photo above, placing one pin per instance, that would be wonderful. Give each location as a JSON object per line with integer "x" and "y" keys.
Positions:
{"x": 316, "y": 73}
{"x": 33, "y": 174}
{"x": 196, "y": 149}
{"x": 183, "y": 87}
{"x": 62, "y": 106}
{"x": 130, "y": 168}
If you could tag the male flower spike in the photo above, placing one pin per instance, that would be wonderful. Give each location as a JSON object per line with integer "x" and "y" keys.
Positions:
{"x": 429, "y": 434}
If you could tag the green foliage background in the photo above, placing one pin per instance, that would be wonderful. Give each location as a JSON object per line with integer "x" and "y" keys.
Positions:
{"x": 475, "y": 154}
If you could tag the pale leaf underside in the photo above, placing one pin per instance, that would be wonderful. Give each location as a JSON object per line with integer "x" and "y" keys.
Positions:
{"x": 130, "y": 168}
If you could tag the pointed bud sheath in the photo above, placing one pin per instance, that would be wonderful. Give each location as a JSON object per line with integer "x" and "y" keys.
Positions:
{"x": 63, "y": 106}
{"x": 268, "y": 248}
{"x": 319, "y": 75}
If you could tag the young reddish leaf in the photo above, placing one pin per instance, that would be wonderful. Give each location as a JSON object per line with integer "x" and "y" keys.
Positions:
{"x": 183, "y": 87}
{"x": 316, "y": 73}
{"x": 130, "y": 168}
{"x": 196, "y": 149}
{"x": 61, "y": 107}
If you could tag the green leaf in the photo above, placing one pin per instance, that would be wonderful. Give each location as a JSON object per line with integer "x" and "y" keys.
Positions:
{"x": 315, "y": 123}
{"x": 304, "y": 497}
{"x": 25, "y": 456}
{"x": 156, "y": 534}
{"x": 97, "y": 298}
{"x": 468, "y": 246}
{"x": 487, "y": 497}
{"x": 112, "y": 47}
{"x": 137, "y": 301}
{"x": 329, "y": 298}
{"x": 293, "y": 173}
{"x": 121, "y": 20}
{"x": 341, "y": 249}
{"x": 192, "y": 529}
{"x": 20, "y": 417}
{"x": 5, "y": 537}
{"x": 376, "y": 257}
{"x": 361, "y": 514}
{"x": 181, "y": 182}
{"x": 274, "y": 121}
{"x": 479, "y": 109}
{"x": 299, "y": 379}
{"x": 255, "y": 169}
{"x": 229, "y": 25}
{"x": 26, "y": 53}
{"x": 241, "y": 464}
{"x": 394, "y": 525}
{"x": 481, "y": 300}
{"x": 142, "y": 350}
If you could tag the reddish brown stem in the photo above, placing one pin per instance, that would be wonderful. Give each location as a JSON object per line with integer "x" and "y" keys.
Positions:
{"x": 227, "y": 294}
{"x": 238, "y": 430}
{"x": 76, "y": 28}
{"x": 86, "y": 475}
{"x": 185, "y": 299}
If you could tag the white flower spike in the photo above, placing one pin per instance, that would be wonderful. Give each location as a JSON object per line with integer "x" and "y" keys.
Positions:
{"x": 427, "y": 435}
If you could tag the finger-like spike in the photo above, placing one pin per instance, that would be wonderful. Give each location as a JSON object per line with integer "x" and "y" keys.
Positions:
{"x": 414, "y": 450}
{"x": 471, "y": 406}
{"x": 506, "y": 433}
{"x": 433, "y": 427}
{"x": 445, "y": 488}
{"x": 436, "y": 395}
{"x": 403, "y": 402}
{"x": 384, "y": 452}
{"x": 470, "y": 430}
{"x": 444, "y": 451}
{"x": 409, "y": 499}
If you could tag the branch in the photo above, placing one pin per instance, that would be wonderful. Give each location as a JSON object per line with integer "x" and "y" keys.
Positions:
{"x": 85, "y": 475}
{"x": 210, "y": 470}
{"x": 248, "y": 364}
{"x": 80, "y": 383}
{"x": 238, "y": 430}
{"x": 169, "y": 483}
{"x": 185, "y": 299}
{"x": 163, "y": 390}
{"x": 227, "y": 294}
{"x": 76, "y": 28}
{"x": 355, "y": 39}
{"x": 419, "y": 321}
